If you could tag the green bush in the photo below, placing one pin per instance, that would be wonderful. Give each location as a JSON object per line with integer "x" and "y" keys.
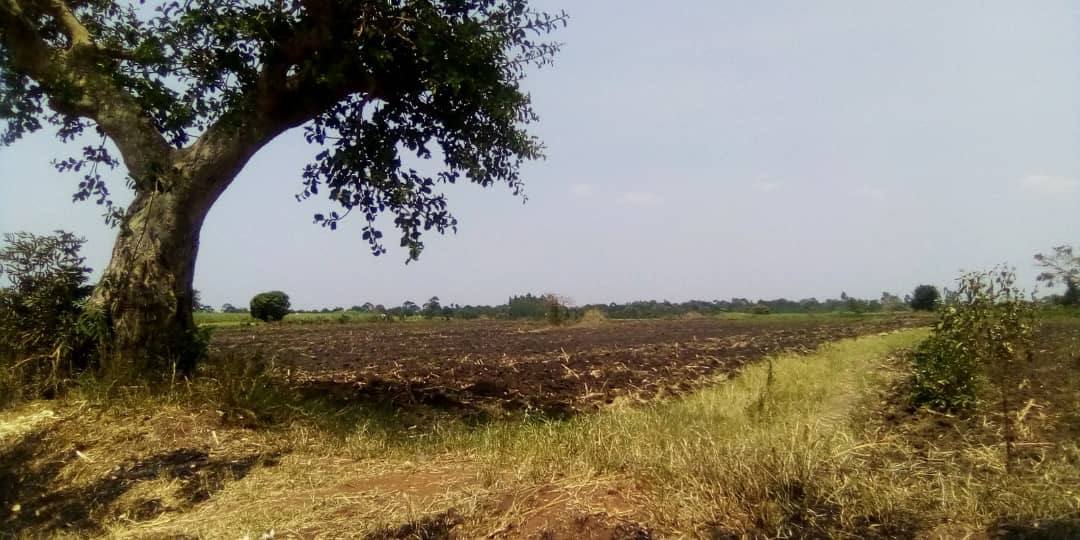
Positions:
{"x": 982, "y": 332}
{"x": 945, "y": 378}
{"x": 925, "y": 298}
{"x": 270, "y": 306}
{"x": 45, "y": 336}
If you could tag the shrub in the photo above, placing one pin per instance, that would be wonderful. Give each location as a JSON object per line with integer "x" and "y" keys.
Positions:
{"x": 925, "y": 298}
{"x": 555, "y": 310}
{"x": 987, "y": 327}
{"x": 44, "y": 333}
{"x": 270, "y": 306}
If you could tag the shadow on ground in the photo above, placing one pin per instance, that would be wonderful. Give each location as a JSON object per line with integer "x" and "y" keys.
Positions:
{"x": 1055, "y": 529}
{"x": 35, "y": 499}
{"x": 479, "y": 404}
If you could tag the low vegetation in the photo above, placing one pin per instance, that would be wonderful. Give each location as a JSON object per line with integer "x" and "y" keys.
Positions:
{"x": 817, "y": 444}
{"x": 44, "y": 335}
{"x": 711, "y": 424}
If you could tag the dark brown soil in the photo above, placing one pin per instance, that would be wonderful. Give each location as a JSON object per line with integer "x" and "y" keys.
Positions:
{"x": 506, "y": 366}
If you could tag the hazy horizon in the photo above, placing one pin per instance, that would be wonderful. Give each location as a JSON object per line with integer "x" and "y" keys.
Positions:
{"x": 698, "y": 151}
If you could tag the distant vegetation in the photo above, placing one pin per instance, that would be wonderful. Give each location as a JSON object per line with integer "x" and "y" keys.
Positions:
{"x": 925, "y": 298}
{"x": 556, "y": 309}
{"x": 1061, "y": 266}
{"x": 270, "y": 306}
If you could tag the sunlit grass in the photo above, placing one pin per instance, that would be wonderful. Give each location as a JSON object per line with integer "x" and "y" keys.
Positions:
{"x": 784, "y": 448}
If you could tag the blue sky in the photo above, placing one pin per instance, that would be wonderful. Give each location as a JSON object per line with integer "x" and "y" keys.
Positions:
{"x": 699, "y": 149}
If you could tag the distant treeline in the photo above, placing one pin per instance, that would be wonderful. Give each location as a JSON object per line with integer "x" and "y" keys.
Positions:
{"x": 530, "y": 306}
{"x": 650, "y": 309}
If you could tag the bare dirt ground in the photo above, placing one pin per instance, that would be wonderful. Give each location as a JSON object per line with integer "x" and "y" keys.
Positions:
{"x": 485, "y": 366}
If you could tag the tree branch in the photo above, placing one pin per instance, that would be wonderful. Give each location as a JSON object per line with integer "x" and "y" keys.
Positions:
{"x": 74, "y": 29}
{"x": 28, "y": 48}
{"x": 76, "y": 87}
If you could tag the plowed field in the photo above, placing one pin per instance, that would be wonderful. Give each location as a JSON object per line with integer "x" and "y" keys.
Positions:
{"x": 506, "y": 366}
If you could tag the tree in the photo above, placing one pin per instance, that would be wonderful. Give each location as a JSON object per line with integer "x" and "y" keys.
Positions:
{"x": 1072, "y": 294}
{"x": 40, "y": 308}
{"x": 988, "y": 326}
{"x": 555, "y": 308}
{"x": 182, "y": 95}
{"x": 229, "y": 308}
{"x": 270, "y": 306}
{"x": 925, "y": 298}
{"x": 891, "y": 302}
{"x": 432, "y": 308}
{"x": 1064, "y": 267}
{"x": 409, "y": 308}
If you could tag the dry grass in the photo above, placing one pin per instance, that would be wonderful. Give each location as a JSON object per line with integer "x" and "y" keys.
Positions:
{"x": 591, "y": 318}
{"x": 748, "y": 456}
{"x": 790, "y": 450}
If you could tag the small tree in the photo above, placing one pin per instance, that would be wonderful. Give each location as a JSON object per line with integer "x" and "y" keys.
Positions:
{"x": 270, "y": 306}
{"x": 891, "y": 302}
{"x": 42, "y": 330}
{"x": 555, "y": 308}
{"x": 1061, "y": 266}
{"x": 432, "y": 308}
{"x": 925, "y": 298}
{"x": 988, "y": 327}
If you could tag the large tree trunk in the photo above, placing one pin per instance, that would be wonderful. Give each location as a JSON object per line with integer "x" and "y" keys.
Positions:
{"x": 145, "y": 293}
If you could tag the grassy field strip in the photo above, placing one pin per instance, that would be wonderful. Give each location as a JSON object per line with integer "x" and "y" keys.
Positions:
{"x": 742, "y": 454}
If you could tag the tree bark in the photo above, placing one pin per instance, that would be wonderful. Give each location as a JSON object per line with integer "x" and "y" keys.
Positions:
{"x": 145, "y": 293}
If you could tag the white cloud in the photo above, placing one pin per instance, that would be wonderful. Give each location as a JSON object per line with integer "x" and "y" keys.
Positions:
{"x": 1053, "y": 185}
{"x": 765, "y": 186}
{"x": 642, "y": 199}
{"x": 582, "y": 190}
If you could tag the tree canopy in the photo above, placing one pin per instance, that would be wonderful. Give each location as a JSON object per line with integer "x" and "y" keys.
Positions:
{"x": 374, "y": 85}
